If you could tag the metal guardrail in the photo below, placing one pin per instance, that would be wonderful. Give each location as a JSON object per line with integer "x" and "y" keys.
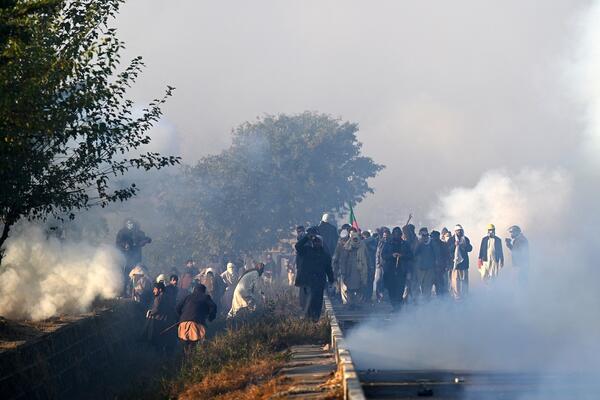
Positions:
{"x": 350, "y": 382}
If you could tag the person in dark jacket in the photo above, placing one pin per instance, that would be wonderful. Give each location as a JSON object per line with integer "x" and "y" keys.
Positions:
{"x": 491, "y": 256}
{"x": 424, "y": 265}
{"x": 157, "y": 319}
{"x": 519, "y": 247}
{"x": 130, "y": 240}
{"x": 412, "y": 287}
{"x": 395, "y": 253}
{"x": 442, "y": 261}
{"x": 459, "y": 247}
{"x": 193, "y": 311}
{"x": 171, "y": 292}
{"x": 314, "y": 271}
{"x": 329, "y": 234}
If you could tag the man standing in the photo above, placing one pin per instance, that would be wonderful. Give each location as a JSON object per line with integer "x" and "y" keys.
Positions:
{"x": 459, "y": 247}
{"x": 130, "y": 240}
{"x": 425, "y": 265}
{"x": 314, "y": 271}
{"x": 491, "y": 257}
{"x": 353, "y": 269}
{"x": 329, "y": 234}
{"x": 193, "y": 312}
{"x": 519, "y": 247}
{"x": 370, "y": 242}
{"x": 442, "y": 258}
{"x": 395, "y": 253}
{"x": 157, "y": 319}
{"x": 412, "y": 287}
{"x": 378, "y": 283}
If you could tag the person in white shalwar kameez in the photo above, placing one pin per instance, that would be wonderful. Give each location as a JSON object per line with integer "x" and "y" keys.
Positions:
{"x": 491, "y": 256}
{"x": 248, "y": 291}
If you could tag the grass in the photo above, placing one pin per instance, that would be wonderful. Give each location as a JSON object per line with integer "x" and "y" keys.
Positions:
{"x": 241, "y": 360}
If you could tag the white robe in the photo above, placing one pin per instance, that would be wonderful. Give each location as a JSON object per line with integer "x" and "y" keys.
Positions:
{"x": 491, "y": 267}
{"x": 246, "y": 294}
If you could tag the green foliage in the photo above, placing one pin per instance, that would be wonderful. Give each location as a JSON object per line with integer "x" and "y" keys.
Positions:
{"x": 280, "y": 171}
{"x": 66, "y": 127}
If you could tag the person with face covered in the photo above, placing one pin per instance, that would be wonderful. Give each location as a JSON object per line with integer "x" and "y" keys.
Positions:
{"x": 412, "y": 290}
{"x": 519, "y": 247}
{"x": 248, "y": 292}
{"x": 353, "y": 269}
{"x": 424, "y": 265}
{"x": 130, "y": 240}
{"x": 459, "y": 247}
{"x": 378, "y": 283}
{"x": 230, "y": 277}
{"x": 442, "y": 259}
{"x": 335, "y": 262}
{"x": 314, "y": 271}
{"x": 396, "y": 254}
{"x": 491, "y": 256}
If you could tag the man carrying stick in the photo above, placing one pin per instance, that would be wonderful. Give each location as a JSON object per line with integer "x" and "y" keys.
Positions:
{"x": 395, "y": 254}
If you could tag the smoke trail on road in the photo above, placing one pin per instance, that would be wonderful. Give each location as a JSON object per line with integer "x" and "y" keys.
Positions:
{"x": 43, "y": 277}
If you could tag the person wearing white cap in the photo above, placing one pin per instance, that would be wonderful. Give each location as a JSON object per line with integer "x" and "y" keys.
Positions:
{"x": 329, "y": 233}
{"x": 459, "y": 247}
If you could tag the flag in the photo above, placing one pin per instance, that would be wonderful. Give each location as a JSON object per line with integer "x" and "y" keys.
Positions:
{"x": 353, "y": 220}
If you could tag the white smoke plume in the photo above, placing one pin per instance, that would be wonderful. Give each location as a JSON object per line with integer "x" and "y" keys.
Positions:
{"x": 44, "y": 277}
{"x": 534, "y": 199}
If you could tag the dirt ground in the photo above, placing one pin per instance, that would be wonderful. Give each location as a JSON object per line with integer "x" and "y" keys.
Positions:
{"x": 15, "y": 333}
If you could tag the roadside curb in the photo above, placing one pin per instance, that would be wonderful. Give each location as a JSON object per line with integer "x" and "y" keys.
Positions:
{"x": 350, "y": 382}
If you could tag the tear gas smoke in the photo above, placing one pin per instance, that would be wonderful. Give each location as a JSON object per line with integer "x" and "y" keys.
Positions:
{"x": 43, "y": 277}
{"x": 544, "y": 325}
{"x": 532, "y": 199}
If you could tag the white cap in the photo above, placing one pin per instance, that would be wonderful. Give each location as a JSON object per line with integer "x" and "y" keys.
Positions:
{"x": 161, "y": 278}
{"x": 325, "y": 217}
{"x": 458, "y": 227}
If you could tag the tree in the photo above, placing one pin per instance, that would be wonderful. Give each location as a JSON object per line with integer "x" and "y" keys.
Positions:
{"x": 279, "y": 171}
{"x": 66, "y": 128}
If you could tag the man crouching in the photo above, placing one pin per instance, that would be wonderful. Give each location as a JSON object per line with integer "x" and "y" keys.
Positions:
{"x": 193, "y": 312}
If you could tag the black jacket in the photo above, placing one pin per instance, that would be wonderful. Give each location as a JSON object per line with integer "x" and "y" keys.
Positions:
{"x": 425, "y": 255}
{"x": 330, "y": 236}
{"x": 484, "y": 246}
{"x": 390, "y": 264}
{"x": 197, "y": 307}
{"x": 313, "y": 265}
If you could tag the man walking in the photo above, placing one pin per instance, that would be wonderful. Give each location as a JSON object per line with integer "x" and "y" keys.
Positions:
{"x": 396, "y": 253}
{"x": 314, "y": 271}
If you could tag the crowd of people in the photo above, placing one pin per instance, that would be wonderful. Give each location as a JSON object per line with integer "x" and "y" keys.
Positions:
{"x": 398, "y": 266}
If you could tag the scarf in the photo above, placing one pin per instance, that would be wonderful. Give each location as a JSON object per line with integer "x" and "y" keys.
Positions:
{"x": 458, "y": 258}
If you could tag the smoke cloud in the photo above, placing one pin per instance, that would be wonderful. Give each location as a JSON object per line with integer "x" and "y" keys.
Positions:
{"x": 44, "y": 277}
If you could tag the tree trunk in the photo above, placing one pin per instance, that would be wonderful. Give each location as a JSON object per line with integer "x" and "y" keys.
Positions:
{"x": 5, "y": 229}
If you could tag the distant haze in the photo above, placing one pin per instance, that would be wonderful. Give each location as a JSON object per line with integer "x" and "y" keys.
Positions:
{"x": 443, "y": 91}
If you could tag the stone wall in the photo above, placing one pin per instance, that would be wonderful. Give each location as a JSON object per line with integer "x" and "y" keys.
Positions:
{"x": 60, "y": 364}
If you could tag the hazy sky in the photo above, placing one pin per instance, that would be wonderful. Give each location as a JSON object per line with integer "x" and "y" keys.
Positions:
{"x": 443, "y": 90}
